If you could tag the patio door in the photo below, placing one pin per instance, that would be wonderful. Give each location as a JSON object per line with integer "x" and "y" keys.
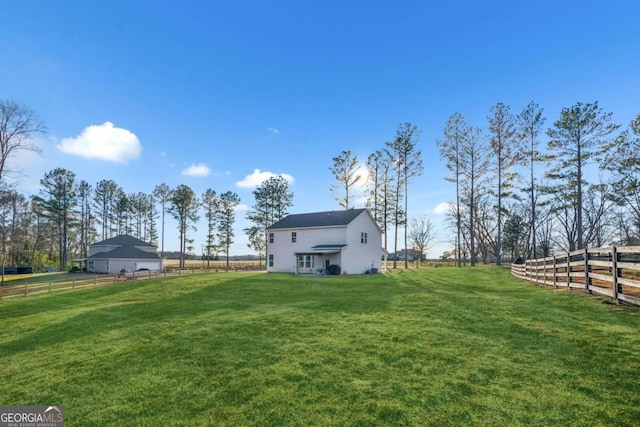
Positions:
{"x": 306, "y": 264}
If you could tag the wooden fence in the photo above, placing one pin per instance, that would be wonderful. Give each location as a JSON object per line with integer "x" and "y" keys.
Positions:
{"x": 71, "y": 281}
{"x": 613, "y": 272}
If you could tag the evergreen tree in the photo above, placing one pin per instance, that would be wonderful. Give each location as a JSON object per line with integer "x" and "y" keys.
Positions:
{"x": 408, "y": 164}
{"x": 575, "y": 138}
{"x": 184, "y": 208}
{"x": 58, "y": 201}
{"x": 226, "y": 218}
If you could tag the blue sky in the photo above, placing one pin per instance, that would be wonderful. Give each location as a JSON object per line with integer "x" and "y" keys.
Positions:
{"x": 155, "y": 89}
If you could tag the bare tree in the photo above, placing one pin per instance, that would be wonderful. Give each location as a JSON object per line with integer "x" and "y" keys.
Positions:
{"x": 18, "y": 124}
{"x": 622, "y": 160}
{"x": 599, "y": 215}
{"x": 422, "y": 235}
{"x": 345, "y": 171}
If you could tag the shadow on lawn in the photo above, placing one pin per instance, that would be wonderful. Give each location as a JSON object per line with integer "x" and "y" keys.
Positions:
{"x": 257, "y": 298}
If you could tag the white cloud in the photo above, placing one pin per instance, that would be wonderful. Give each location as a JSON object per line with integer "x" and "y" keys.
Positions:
{"x": 258, "y": 177}
{"x": 273, "y": 130}
{"x": 242, "y": 207}
{"x": 197, "y": 170}
{"x": 360, "y": 201}
{"x": 105, "y": 142}
{"x": 443, "y": 208}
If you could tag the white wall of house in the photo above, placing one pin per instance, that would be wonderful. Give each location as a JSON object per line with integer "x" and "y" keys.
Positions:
{"x": 98, "y": 266}
{"x": 114, "y": 266}
{"x": 284, "y": 250}
{"x": 359, "y": 257}
{"x": 355, "y": 258}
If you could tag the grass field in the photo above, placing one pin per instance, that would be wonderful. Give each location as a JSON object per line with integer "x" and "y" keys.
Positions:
{"x": 438, "y": 346}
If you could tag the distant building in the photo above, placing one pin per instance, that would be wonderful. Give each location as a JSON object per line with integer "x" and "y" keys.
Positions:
{"x": 120, "y": 253}
{"x": 409, "y": 254}
{"x": 312, "y": 242}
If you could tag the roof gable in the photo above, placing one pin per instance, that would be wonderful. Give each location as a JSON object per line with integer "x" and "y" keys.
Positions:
{"x": 318, "y": 219}
{"x": 122, "y": 240}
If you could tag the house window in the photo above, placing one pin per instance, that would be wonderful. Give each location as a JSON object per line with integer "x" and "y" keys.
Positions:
{"x": 294, "y": 236}
{"x": 306, "y": 261}
{"x": 270, "y": 237}
{"x": 363, "y": 237}
{"x": 271, "y": 260}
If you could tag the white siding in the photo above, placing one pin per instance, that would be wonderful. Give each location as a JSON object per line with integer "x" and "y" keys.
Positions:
{"x": 358, "y": 258}
{"x": 355, "y": 258}
{"x": 284, "y": 250}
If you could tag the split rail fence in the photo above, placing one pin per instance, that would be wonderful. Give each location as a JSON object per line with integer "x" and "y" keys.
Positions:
{"x": 613, "y": 272}
{"x": 94, "y": 280}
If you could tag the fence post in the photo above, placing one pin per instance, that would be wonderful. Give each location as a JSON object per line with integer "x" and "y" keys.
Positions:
{"x": 94, "y": 281}
{"x": 1, "y": 291}
{"x": 568, "y": 271}
{"x": 49, "y": 286}
{"x": 585, "y": 254}
{"x": 615, "y": 272}
{"x": 555, "y": 272}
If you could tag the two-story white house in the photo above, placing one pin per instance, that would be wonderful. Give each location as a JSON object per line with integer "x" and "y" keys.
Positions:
{"x": 312, "y": 242}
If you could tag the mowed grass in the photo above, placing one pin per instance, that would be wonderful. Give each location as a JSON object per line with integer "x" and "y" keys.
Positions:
{"x": 439, "y": 346}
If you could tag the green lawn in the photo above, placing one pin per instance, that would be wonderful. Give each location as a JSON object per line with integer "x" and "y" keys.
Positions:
{"x": 438, "y": 346}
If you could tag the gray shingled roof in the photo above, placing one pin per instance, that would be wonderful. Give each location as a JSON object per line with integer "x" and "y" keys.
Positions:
{"x": 125, "y": 252}
{"x": 123, "y": 240}
{"x": 318, "y": 219}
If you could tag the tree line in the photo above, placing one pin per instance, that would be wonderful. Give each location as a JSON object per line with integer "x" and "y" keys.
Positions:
{"x": 69, "y": 214}
{"x": 521, "y": 191}
{"x": 513, "y": 198}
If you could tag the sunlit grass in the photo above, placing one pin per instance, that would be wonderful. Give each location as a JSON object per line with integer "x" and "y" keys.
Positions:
{"x": 439, "y": 346}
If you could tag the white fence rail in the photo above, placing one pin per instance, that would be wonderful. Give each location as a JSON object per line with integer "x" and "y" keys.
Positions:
{"x": 613, "y": 272}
